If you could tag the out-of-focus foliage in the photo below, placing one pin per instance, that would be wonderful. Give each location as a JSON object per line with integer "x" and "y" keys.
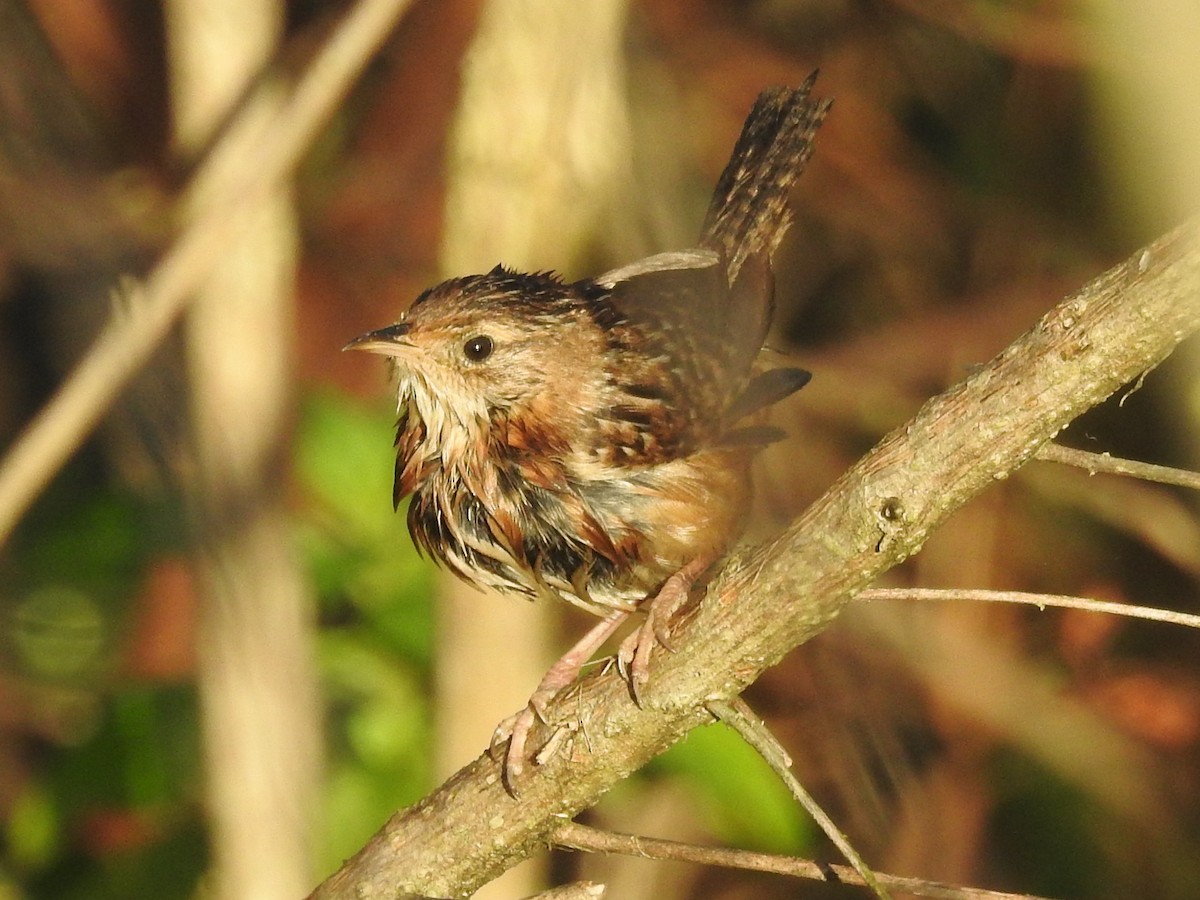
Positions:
{"x": 109, "y": 801}
{"x": 377, "y": 638}
{"x": 105, "y": 806}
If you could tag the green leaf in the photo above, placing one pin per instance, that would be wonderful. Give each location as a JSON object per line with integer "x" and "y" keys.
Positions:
{"x": 33, "y": 831}
{"x": 748, "y": 806}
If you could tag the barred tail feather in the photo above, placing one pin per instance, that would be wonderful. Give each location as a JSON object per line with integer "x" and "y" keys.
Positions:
{"x": 749, "y": 212}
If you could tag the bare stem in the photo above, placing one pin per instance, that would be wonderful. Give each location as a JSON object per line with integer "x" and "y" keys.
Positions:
{"x": 1096, "y": 463}
{"x": 738, "y": 716}
{"x": 1041, "y": 601}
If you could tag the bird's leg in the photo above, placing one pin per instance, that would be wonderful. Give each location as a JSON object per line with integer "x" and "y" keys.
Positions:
{"x": 516, "y": 727}
{"x": 633, "y": 657}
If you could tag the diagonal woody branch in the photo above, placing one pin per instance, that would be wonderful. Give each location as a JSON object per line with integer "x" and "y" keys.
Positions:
{"x": 769, "y": 599}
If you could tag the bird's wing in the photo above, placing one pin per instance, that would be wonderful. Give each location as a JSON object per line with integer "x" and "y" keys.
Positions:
{"x": 749, "y": 213}
{"x": 681, "y": 344}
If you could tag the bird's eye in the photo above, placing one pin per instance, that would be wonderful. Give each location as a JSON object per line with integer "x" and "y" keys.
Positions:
{"x": 478, "y": 348}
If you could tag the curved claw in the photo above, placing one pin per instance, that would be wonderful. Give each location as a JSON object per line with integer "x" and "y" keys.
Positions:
{"x": 514, "y": 757}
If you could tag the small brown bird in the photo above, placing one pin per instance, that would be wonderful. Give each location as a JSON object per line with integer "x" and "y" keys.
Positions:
{"x": 592, "y": 441}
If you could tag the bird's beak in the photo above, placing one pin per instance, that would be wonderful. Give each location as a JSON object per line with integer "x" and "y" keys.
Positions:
{"x": 387, "y": 341}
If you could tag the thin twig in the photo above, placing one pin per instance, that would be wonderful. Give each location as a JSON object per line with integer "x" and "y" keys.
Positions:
{"x": 129, "y": 339}
{"x": 737, "y": 714}
{"x": 1114, "y": 465}
{"x": 1041, "y": 601}
{"x": 573, "y": 836}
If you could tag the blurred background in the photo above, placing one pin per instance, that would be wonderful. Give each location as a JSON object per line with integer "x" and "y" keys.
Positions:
{"x": 222, "y": 664}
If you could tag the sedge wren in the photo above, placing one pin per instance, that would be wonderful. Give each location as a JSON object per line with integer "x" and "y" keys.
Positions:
{"x": 591, "y": 441}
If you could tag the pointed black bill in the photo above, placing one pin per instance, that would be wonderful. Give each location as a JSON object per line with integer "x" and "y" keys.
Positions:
{"x": 382, "y": 340}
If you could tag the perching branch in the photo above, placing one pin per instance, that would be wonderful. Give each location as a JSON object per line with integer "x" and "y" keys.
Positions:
{"x": 767, "y": 600}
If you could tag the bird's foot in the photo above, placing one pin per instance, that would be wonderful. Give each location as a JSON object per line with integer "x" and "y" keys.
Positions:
{"x": 517, "y": 728}
{"x": 633, "y": 656}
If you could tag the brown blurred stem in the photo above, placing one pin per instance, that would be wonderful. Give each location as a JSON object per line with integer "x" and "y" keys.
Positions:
{"x": 769, "y": 599}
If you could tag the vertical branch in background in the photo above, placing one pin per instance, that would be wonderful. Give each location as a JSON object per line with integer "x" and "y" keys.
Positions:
{"x": 257, "y": 677}
{"x": 1148, "y": 88}
{"x": 1148, "y": 92}
{"x": 539, "y": 149}
{"x": 541, "y": 143}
